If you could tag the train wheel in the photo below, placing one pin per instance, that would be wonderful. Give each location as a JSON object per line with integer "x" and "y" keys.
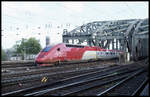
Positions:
{"x": 57, "y": 63}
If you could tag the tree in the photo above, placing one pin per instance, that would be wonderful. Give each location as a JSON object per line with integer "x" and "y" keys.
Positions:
{"x": 3, "y": 55}
{"x": 30, "y": 46}
{"x": 33, "y": 45}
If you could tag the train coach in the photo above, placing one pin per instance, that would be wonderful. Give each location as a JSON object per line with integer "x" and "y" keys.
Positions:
{"x": 69, "y": 52}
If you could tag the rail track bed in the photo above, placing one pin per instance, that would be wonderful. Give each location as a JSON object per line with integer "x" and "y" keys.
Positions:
{"x": 33, "y": 74}
{"x": 8, "y": 67}
{"x": 20, "y": 71}
{"x": 127, "y": 86}
{"x": 78, "y": 80}
{"x": 31, "y": 80}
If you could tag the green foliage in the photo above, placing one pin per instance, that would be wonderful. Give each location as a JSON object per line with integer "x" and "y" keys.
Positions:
{"x": 30, "y": 46}
{"x": 34, "y": 46}
{"x": 3, "y": 55}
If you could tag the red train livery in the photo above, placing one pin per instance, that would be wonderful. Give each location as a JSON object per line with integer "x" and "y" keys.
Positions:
{"x": 69, "y": 52}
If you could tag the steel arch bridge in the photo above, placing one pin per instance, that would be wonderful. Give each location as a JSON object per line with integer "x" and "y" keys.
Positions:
{"x": 126, "y": 35}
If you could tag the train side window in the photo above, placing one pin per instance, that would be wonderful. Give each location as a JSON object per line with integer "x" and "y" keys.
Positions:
{"x": 58, "y": 49}
{"x": 77, "y": 46}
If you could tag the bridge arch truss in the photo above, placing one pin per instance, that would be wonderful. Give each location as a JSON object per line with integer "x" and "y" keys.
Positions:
{"x": 126, "y": 35}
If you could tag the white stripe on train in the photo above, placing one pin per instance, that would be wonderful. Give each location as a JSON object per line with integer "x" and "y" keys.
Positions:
{"x": 99, "y": 55}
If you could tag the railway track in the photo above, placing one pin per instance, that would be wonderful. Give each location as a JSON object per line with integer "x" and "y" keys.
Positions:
{"x": 20, "y": 71}
{"x": 145, "y": 91}
{"x": 51, "y": 76}
{"x": 30, "y": 71}
{"x": 32, "y": 80}
{"x": 36, "y": 76}
{"x": 78, "y": 79}
{"x": 10, "y": 64}
{"x": 13, "y": 65}
{"x": 12, "y": 70}
{"x": 40, "y": 70}
{"x": 17, "y": 65}
{"x": 133, "y": 85}
{"x": 82, "y": 86}
{"x": 127, "y": 86}
{"x": 12, "y": 80}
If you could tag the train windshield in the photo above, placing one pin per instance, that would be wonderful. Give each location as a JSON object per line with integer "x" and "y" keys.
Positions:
{"x": 46, "y": 49}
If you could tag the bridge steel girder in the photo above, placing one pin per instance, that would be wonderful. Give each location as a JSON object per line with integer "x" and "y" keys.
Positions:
{"x": 138, "y": 36}
{"x": 125, "y": 32}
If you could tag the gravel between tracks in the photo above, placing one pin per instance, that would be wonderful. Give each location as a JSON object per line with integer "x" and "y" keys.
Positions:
{"x": 127, "y": 88}
{"x": 50, "y": 78}
{"x": 82, "y": 66}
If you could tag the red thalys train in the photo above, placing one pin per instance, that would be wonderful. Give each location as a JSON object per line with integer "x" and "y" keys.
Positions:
{"x": 69, "y": 52}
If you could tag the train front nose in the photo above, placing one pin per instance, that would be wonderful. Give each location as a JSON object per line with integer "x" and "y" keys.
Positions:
{"x": 42, "y": 57}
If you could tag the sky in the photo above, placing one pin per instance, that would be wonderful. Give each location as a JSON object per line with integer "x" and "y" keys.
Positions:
{"x": 40, "y": 19}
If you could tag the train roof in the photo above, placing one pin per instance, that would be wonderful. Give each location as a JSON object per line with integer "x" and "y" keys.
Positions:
{"x": 78, "y": 45}
{"x": 72, "y": 45}
{"x": 75, "y": 44}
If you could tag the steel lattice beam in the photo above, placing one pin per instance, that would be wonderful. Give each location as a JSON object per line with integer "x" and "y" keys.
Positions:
{"x": 125, "y": 32}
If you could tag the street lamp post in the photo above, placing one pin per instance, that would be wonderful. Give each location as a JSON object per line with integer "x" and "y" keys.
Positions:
{"x": 24, "y": 55}
{"x": 17, "y": 42}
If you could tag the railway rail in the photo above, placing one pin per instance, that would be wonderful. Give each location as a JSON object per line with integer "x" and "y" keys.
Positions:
{"x": 11, "y": 84}
{"x": 12, "y": 80}
{"x": 91, "y": 83}
{"x": 125, "y": 87}
{"x": 31, "y": 63}
{"x": 50, "y": 76}
{"x": 35, "y": 77}
{"x": 75, "y": 80}
{"x": 12, "y": 72}
{"x": 32, "y": 70}
{"x": 145, "y": 91}
{"x": 8, "y": 64}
